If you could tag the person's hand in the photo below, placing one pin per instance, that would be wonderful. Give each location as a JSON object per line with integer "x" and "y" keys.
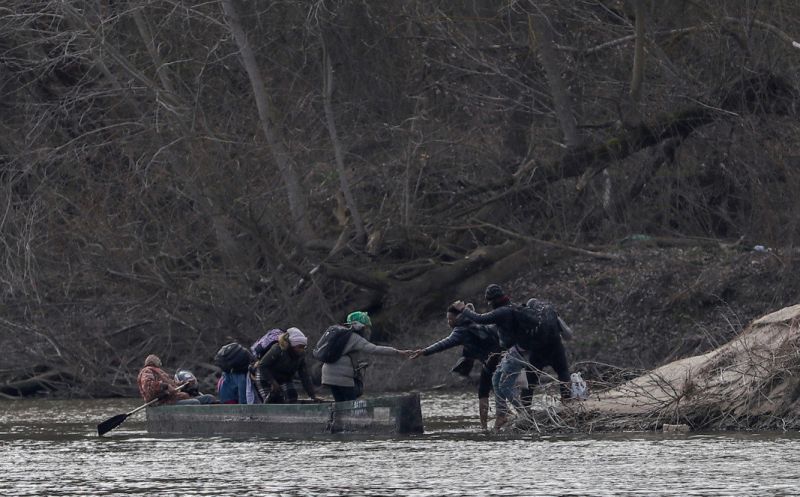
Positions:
{"x": 406, "y": 353}
{"x": 459, "y": 305}
{"x": 415, "y": 353}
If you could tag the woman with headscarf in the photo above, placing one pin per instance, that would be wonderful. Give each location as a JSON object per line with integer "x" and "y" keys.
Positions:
{"x": 278, "y": 367}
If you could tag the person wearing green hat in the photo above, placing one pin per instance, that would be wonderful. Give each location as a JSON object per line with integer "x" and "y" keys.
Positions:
{"x": 359, "y": 317}
{"x": 344, "y": 376}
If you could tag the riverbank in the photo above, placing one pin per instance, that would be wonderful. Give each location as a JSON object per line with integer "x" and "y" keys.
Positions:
{"x": 661, "y": 300}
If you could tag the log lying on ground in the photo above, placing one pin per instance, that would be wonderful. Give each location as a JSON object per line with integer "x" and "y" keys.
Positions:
{"x": 47, "y": 380}
{"x": 752, "y": 382}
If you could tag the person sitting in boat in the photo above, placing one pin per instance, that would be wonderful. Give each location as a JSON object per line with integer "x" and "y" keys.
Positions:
{"x": 191, "y": 387}
{"x": 344, "y": 376}
{"x": 155, "y": 383}
{"x": 480, "y": 343}
{"x": 277, "y": 368}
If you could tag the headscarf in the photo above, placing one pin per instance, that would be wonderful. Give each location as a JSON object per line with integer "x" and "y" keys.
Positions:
{"x": 296, "y": 337}
{"x": 152, "y": 360}
{"x": 359, "y": 317}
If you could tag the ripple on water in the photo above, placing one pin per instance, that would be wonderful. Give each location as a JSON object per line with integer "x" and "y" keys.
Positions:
{"x": 52, "y": 449}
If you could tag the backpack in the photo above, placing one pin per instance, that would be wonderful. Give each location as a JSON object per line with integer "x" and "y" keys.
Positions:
{"x": 534, "y": 323}
{"x": 233, "y": 358}
{"x": 262, "y": 345}
{"x": 331, "y": 344}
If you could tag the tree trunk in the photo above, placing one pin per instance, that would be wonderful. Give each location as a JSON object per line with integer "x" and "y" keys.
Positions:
{"x": 637, "y": 73}
{"x": 294, "y": 192}
{"x": 344, "y": 182}
{"x": 541, "y": 30}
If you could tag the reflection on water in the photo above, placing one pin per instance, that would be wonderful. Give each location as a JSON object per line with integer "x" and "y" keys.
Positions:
{"x": 51, "y": 448}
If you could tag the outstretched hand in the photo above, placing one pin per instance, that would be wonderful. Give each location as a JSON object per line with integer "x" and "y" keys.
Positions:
{"x": 406, "y": 353}
{"x": 415, "y": 353}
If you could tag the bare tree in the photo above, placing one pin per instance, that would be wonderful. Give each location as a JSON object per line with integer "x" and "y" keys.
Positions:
{"x": 275, "y": 140}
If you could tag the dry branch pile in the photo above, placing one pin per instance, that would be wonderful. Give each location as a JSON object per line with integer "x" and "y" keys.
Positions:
{"x": 752, "y": 382}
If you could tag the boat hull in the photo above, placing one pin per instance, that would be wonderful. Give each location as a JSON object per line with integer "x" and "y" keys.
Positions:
{"x": 399, "y": 414}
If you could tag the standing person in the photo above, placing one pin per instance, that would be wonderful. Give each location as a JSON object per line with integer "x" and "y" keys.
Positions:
{"x": 155, "y": 383}
{"x": 513, "y": 362}
{"x": 277, "y": 368}
{"x": 344, "y": 375}
{"x": 548, "y": 350}
{"x": 480, "y": 342}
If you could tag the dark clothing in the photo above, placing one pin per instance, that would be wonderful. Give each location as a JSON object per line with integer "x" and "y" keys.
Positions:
{"x": 341, "y": 394}
{"x": 502, "y": 317}
{"x": 278, "y": 367}
{"x": 487, "y": 371}
{"x": 550, "y": 353}
{"x": 547, "y": 350}
{"x": 479, "y": 341}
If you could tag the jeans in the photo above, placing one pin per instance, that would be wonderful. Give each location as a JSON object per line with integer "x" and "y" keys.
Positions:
{"x": 505, "y": 380}
{"x": 233, "y": 388}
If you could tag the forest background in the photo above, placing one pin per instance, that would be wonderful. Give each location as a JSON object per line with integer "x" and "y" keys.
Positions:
{"x": 175, "y": 175}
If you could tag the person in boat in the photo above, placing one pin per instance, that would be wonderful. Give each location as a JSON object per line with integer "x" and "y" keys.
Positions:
{"x": 344, "y": 376}
{"x": 191, "y": 387}
{"x": 155, "y": 383}
{"x": 278, "y": 367}
{"x": 514, "y": 360}
{"x": 480, "y": 343}
{"x": 235, "y": 385}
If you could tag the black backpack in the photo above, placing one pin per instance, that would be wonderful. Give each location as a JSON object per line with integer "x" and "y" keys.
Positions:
{"x": 331, "y": 344}
{"x": 535, "y": 323}
{"x": 233, "y": 358}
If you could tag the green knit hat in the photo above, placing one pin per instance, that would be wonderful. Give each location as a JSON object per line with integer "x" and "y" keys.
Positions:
{"x": 359, "y": 317}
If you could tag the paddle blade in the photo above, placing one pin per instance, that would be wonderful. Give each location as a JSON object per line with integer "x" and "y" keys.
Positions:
{"x": 110, "y": 424}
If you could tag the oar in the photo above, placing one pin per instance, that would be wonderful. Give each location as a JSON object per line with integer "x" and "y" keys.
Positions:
{"x": 117, "y": 420}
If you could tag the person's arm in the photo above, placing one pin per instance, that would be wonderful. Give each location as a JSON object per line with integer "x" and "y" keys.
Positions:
{"x": 496, "y": 316}
{"x": 452, "y": 340}
{"x": 264, "y": 366}
{"x": 361, "y": 344}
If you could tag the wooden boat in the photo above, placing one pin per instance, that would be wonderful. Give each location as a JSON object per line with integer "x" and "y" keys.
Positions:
{"x": 400, "y": 414}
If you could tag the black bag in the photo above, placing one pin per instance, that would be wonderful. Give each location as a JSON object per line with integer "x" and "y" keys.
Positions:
{"x": 535, "y": 323}
{"x": 331, "y": 344}
{"x": 233, "y": 358}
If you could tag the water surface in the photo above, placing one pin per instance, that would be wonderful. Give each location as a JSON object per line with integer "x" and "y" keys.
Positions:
{"x": 52, "y": 448}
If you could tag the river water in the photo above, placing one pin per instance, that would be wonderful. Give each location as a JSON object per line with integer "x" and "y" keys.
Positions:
{"x": 51, "y": 448}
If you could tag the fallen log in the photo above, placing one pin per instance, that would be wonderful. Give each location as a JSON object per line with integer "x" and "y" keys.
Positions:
{"x": 29, "y": 386}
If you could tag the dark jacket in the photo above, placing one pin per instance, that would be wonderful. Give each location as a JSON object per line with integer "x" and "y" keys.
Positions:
{"x": 280, "y": 365}
{"x": 479, "y": 341}
{"x": 502, "y": 317}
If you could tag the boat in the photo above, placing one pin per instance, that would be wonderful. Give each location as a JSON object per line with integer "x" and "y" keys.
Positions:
{"x": 390, "y": 415}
